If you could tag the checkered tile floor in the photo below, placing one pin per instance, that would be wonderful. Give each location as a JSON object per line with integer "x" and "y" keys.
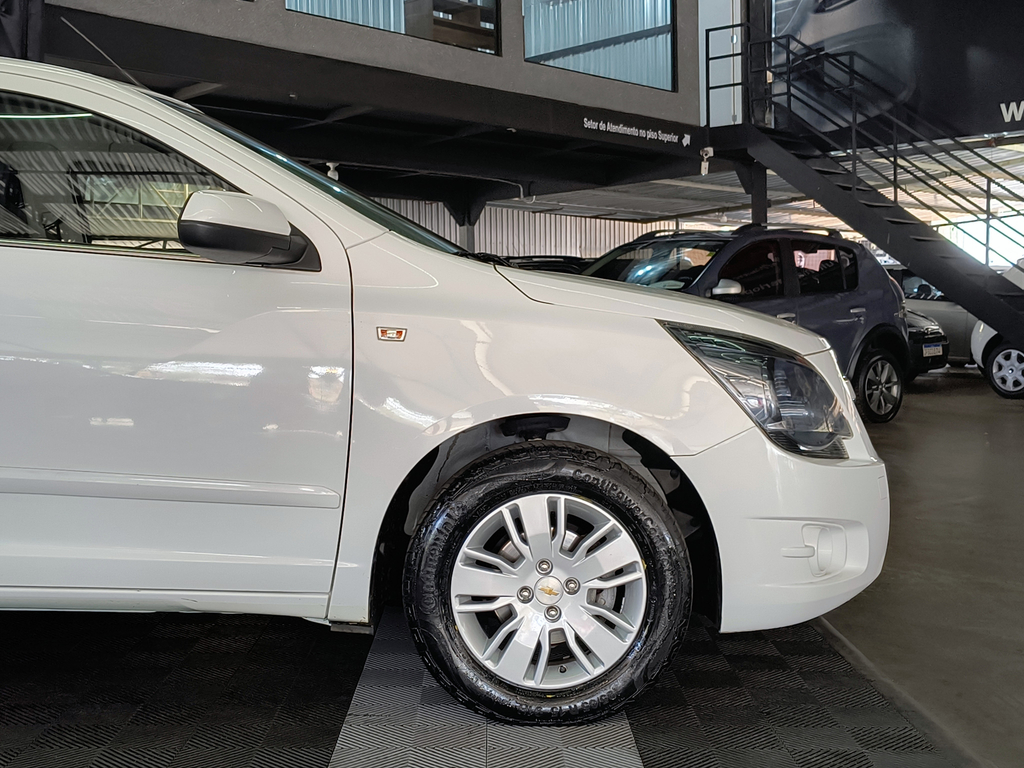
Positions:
{"x": 142, "y": 690}
{"x": 401, "y": 718}
{"x": 127, "y": 691}
{"x": 782, "y": 698}
{"x": 779, "y": 699}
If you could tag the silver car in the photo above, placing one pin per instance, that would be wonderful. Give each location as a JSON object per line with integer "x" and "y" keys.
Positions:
{"x": 956, "y": 322}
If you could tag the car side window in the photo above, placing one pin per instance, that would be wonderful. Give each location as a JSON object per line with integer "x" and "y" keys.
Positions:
{"x": 70, "y": 176}
{"x": 824, "y": 268}
{"x": 757, "y": 268}
{"x": 919, "y": 289}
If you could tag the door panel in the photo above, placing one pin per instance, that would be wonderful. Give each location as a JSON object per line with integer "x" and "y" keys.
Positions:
{"x": 186, "y": 423}
{"x": 171, "y": 426}
{"x": 829, "y": 303}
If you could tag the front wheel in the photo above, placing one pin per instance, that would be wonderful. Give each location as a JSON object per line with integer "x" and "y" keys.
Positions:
{"x": 1005, "y": 371}
{"x": 879, "y": 386}
{"x": 547, "y": 584}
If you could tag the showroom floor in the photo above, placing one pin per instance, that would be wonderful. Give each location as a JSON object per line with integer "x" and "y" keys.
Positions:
{"x": 945, "y": 620}
{"x": 229, "y": 691}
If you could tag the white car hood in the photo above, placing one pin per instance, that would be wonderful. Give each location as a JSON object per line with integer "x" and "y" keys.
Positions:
{"x": 607, "y": 296}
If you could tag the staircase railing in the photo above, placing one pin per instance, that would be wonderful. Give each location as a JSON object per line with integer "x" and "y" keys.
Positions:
{"x": 860, "y": 125}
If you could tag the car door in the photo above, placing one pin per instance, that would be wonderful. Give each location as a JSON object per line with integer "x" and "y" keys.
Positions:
{"x": 175, "y": 431}
{"x": 758, "y": 268}
{"x": 829, "y": 303}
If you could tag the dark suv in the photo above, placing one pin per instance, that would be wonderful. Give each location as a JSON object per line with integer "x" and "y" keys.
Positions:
{"x": 824, "y": 283}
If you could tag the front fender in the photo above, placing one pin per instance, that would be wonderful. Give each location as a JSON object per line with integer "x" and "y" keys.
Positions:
{"x": 477, "y": 350}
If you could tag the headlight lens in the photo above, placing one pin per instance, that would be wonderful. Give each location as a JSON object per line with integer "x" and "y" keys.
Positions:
{"x": 778, "y": 388}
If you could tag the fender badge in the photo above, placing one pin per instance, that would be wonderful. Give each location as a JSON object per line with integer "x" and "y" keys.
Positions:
{"x": 391, "y": 334}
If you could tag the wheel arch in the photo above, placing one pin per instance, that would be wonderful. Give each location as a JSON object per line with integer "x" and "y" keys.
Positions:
{"x": 887, "y": 337}
{"x": 414, "y": 494}
{"x": 990, "y": 346}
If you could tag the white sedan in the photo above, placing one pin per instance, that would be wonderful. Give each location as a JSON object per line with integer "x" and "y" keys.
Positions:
{"x": 228, "y": 383}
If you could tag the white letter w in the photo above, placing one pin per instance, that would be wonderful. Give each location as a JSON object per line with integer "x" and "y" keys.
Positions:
{"x": 1013, "y": 113}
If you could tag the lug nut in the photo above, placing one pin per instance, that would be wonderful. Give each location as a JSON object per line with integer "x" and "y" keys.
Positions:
{"x": 525, "y": 594}
{"x": 552, "y": 613}
{"x": 571, "y": 586}
{"x": 544, "y": 566}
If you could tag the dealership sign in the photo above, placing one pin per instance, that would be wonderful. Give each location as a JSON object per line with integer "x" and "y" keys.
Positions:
{"x": 1013, "y": 112}
{"x": 957, "y": 64}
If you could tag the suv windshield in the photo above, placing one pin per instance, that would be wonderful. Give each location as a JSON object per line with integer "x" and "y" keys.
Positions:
{"x": 368, "y": 208}
{"x": 668, "y": 264}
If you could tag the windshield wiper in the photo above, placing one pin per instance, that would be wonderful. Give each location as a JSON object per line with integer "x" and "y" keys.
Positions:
{"x": 487, "y": 258}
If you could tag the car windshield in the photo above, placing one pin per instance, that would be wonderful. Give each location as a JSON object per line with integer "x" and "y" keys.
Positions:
{"x": 667, "y": 264}
{"x": 363, "y": 205}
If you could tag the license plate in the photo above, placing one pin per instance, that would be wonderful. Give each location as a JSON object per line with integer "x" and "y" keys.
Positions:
{"x": 932, "y": 350}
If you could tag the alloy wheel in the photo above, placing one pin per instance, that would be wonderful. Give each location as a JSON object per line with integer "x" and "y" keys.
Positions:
{"x": 1007, "y": 370}
{"x": 548, "y": 591}
{"x": 882, "y": 387}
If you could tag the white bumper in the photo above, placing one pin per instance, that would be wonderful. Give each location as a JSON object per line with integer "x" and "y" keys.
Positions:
{"x": 796, "y": 537}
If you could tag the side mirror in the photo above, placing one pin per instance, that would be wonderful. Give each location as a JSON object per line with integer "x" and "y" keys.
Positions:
{"x": 727, "y": 288}
{"x": 233, "y": 228}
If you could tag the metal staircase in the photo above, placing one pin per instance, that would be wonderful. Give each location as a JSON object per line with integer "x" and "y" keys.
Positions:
{"x": 823, "y": 125}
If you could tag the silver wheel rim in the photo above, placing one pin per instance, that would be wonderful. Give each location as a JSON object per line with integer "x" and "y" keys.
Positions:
{"x": 548, "y": 591}
{"x": 882, "y": 387}
{"x": 1008, "y": 370}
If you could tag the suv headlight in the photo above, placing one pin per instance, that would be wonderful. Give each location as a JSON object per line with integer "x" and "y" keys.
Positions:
{"x": 778, "y": 388}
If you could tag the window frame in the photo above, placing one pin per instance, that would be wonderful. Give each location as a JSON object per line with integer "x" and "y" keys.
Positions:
{"x": 906, "y": 273}
{"x": 183, "y": 255}
{"x": 829, "y": 245}
{"x": 785, "y": 276}
{"x": 673, "y": 63}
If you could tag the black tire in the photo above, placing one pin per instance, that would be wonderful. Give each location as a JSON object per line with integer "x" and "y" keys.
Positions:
{"x": 1004, "y": 369}
{"x": 510, "y": 473}
{"x": 878, "y": 404}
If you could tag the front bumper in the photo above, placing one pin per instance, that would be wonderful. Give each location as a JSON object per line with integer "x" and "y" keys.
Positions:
{"x": 919, "y": 363}
{"x": 796, "y": 537}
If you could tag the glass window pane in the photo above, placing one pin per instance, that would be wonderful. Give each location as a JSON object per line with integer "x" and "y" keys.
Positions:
{"x": 819, "y": 267}
{"x": 70, "y": 176}
{"x": 667, "y": 264}
{"x": 630, "y": 40}
{"x": 363, "y": 205}
{"x": 758, "y": 269}
{"x": 465, "y": 23}
{"x": 919, "y": 289}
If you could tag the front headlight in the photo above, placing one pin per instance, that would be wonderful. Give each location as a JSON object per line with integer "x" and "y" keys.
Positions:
{"x": 778, "y": 388}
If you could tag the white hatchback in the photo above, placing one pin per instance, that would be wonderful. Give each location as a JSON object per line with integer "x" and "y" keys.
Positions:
{"x": 228, "y": 383}
{"x": 1000, "y": 360}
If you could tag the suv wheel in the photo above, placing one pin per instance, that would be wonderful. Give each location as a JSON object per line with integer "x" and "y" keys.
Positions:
{"x": 879, "y": 386}
{"x": 1005, "y": 371}
{"x": 548, "y": 583}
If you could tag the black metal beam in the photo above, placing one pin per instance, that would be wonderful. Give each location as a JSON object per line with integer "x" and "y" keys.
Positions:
{"x": 754, "y": 178}
{"x": 325, "y": 143}
{"x": 260, "y": 74}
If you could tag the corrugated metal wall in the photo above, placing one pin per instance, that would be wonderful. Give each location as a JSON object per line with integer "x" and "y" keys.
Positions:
{"x": 551, "y": 26}
{"x": 511, "y": 232}
{"x": 382, "y": 14}
{"x": 433, "y": 216}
